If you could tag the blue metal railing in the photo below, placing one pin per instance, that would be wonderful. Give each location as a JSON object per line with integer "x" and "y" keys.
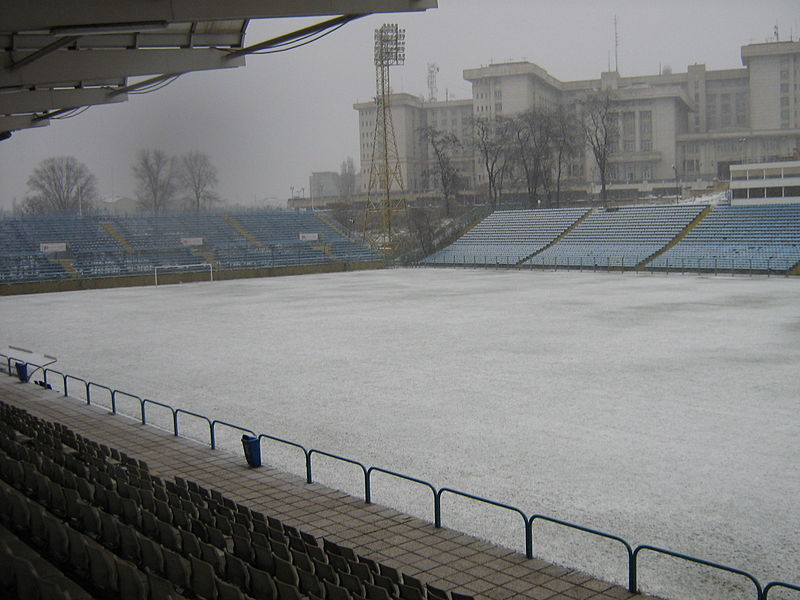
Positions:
{"x": 686, "y": 557}
{"x": 632, "y": 553}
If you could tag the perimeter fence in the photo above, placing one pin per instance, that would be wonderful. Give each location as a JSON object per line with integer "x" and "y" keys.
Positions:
{"x": 52, "y": 378}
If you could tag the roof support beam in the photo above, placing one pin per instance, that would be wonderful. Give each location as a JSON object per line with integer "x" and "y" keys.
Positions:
{"x": 50, "y": 48}
{"x": 40, "y": 15}
{"x": 70, "y": 68}
{"x": 37, "y": 101}
{"x": 20, "y": 122}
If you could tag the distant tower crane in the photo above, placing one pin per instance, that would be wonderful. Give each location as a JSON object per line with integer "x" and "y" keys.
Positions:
{"x": 385, "y": 175}
{"x": 433, "y": 69}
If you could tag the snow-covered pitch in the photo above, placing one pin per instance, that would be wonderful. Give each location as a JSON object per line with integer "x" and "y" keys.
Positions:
{"x": 663, "y": 409}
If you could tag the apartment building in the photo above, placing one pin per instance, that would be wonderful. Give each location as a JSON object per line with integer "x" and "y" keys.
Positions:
{"x": 675, "y": 129}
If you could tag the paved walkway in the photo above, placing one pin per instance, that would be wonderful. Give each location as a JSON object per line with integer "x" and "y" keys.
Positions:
{"x": 444, "y": 558}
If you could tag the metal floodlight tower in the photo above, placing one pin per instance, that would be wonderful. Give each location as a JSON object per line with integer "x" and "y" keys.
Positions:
{"x": 385, "y": 174}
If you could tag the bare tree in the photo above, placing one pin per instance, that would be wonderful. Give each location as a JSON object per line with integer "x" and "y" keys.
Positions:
{"x": 601, "y": 130}
{"x": 157, "y": 180}
{"x": 491, "y": 140}
{"x": 568, "y": 142}
{"x": 534, "y": 134}
{"x": 347, "y": 178}
{"x": 199, "y": 177}
{"x": 62, "y": 186}
{"x": 444, "y": 170}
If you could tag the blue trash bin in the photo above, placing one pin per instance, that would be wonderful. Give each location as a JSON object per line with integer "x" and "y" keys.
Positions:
{"x": 22, "y": 371}
{"x": 252, "y": 450}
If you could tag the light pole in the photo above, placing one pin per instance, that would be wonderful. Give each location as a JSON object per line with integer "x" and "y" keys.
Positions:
{"x": 677, "y": 191}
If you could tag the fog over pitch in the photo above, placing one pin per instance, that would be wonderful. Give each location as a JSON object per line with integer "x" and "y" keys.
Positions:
{"x": 268, "y": 125}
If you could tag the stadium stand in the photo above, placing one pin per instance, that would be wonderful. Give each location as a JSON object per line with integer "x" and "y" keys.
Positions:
{"x": 508, "y": 236}
{"x": 121, "y": 246}
{"x": 621, "y": 237}
{"x": 84, "y": 520}
{"x": 758, "y": 237}
{"x": 689, "y": 237}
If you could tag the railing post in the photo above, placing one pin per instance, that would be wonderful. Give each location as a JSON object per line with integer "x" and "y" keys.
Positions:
{"x": 437, "y": 509}
{"x": 309, "y": 479}
{"x": 175, "y": 422}
{"x": 529, "y": 537}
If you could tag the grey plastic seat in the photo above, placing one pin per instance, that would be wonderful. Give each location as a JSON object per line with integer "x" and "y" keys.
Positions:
{"x": 335, "y": 592}
{"x": 213, "y": 556}
{"x": 78, "y": 552}
{"x": 408, "y": 592}
{"x": 236, "y": 571}
{"x": 152, "y": 553}
{"x": 352, "y": 583}
{"x": 302, "y": 561}
{"x": 190, "y": 545}
{"x": 26, "y": 578}
{"x": 376, "y": 592}
{"x": 169, "y": 536}
{"x": 159, "y": 587}
{"x": 228, "y": 591}
{"x": 132, "y": 582}
{"x": 109, "y": 530}
{"x": 177, "y": 570}
{"x": 57, "y": 539}
{"x": 325, "y": 571}
{"x": 286, "y": 591}
{"x": 203, "y": 579}
{"x": 243, "y": 548}
{"x": 129, "y": 547}
{"x": 262, "y": 586}
{"x": 309, "y": 584}
{"x": 102, "y": 568}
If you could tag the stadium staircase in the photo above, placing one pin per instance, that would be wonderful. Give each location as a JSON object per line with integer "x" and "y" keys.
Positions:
{"x": 112, "y": 231}
{"x": 677, "y": 239}
{"x": 247, "y": 235}
{"x": 333, "y": 224}
{"x": 209, "y": 258}
{"x": 67, "y": 265}
{"x": 560, "y": 237}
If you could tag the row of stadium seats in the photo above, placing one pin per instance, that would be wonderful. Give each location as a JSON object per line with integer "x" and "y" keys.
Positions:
{"x": 111, "y": 529}
{"x": 626, "y": 235}
{"x": 507, "y": 237}
{"x": 764, "y": 238}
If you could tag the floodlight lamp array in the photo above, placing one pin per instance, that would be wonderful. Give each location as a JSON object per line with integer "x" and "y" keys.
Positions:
{"x": 390, "y": 45}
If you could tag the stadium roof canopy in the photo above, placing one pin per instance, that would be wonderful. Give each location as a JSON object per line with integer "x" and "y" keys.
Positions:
{"x": 59, "y": 56}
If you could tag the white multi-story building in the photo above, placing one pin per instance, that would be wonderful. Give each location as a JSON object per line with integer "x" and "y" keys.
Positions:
{"x": 688, "y": 127}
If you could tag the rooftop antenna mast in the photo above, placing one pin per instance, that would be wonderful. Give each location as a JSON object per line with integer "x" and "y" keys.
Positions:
{"x": 433, "y": 92}
{"x": 616, "y": 46}
{"x": 385, "y": 175}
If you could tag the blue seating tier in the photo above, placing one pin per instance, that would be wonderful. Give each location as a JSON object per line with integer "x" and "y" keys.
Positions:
{"x": 129, "y": 245}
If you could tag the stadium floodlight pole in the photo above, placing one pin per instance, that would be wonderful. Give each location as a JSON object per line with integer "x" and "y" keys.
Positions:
{"x": 385, "y": 173}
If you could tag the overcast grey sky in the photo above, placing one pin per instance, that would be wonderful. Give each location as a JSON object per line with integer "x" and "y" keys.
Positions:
{"x": 268, "y": 125}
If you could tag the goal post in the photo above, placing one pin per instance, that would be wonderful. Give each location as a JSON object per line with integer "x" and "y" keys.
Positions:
{"x": 177, "y": 268}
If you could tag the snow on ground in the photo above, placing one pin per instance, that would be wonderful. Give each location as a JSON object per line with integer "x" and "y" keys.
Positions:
{"x": 662, "y": 409}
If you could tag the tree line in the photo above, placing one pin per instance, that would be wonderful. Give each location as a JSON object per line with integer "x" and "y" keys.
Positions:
{"x": 533, "y": 150}
{"x": 63, "y": 185}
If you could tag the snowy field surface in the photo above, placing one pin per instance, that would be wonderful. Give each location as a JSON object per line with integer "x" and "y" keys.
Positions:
{"x": 663, "y": 409}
